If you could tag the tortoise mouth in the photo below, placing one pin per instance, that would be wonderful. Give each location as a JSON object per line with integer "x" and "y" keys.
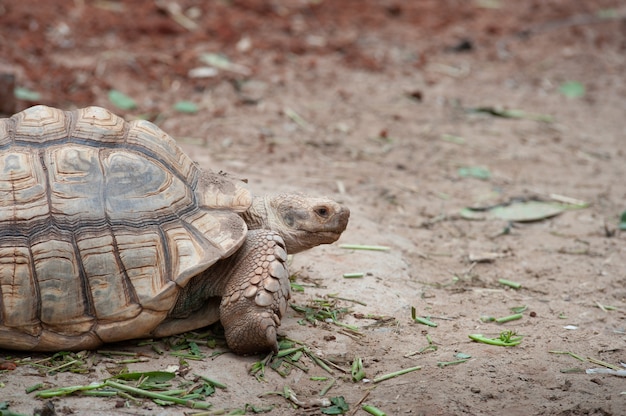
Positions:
{"x": 332, "y": 236}
{"x": 326, "y": 237}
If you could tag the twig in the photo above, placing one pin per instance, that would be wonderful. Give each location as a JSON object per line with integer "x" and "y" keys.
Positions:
{"x": 603, "y": 363}
{"x": 357, "y": 405}
{"x": 176, "y": 13}
{"x": 571, "y": 354}
{"x": 333, "y": 296}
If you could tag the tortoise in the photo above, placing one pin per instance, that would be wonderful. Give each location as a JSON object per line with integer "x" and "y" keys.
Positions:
{"x": 110, "y": 232}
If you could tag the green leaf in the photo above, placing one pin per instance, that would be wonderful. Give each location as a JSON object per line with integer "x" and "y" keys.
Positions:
{"x": 205, "y": 390}
{"x": 4, "y": 410}
{"x": 622, "y": 221}
{"x": 121, "y": 100}
{"x": 572, "y": 89}
{"x": 475, "y": 172}
{"x": 339, "y": 406}
{"x": 255, "y": 409}
{"x": 25, "y": 94}
{"x": 222, "y": 62}
{"x": 186, "y": 107}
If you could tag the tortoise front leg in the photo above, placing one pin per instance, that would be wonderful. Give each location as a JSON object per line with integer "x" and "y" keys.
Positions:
{"x": 255, "y": 297}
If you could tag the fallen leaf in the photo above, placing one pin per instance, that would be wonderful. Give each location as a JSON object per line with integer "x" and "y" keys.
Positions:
{"x": 25, "y": 94}
{"x": 121, "y": 100}
{"x": 219, "y": 61}
{"x": 572, "y": 89}
{"x": 521, "y": 211}
{"x": 477, "y": 172}
{"x": 186, "y": 107}
{"x": 528, "y": 211}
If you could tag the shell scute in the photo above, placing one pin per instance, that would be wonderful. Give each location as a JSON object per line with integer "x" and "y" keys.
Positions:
{"x": 145, "y": 135}
{"x": 38, "y": 124}
{"x": 111, "y": 292}
{"x": 23, "y": 193}
{"x": 18, "y": 309}
{"x": 62, "y": 299}
{"x": 76, "y": 183}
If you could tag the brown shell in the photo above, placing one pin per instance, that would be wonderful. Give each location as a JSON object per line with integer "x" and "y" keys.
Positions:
{"x": 101, "y": 222}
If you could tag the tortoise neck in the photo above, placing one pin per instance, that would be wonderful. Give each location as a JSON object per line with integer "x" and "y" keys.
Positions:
{"x": 256, "y": 216}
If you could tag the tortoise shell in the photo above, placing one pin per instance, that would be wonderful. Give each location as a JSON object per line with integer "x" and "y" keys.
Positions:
{"x": 102, "y": 222}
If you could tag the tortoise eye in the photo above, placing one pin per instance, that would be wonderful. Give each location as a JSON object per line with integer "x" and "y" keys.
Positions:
{"x": 323, "y": 212}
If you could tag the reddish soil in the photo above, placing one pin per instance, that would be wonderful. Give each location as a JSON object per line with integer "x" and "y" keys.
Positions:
{"x": 368, "y": 101}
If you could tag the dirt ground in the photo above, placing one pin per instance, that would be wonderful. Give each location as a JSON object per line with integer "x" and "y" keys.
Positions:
{"x": 369, "y": 101}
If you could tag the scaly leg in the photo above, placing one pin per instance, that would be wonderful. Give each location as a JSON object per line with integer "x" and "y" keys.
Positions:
{"x": 255, "y": 297}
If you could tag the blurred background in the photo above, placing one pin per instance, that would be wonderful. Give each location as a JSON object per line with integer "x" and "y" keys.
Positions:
{"x": 435, "y": 121}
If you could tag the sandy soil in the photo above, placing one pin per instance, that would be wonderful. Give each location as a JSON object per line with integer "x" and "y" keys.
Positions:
{"x": 368, "y": 101}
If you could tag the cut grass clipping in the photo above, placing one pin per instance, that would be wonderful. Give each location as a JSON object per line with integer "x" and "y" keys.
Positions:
{"x": 363, "y": 247}
{"x": 135, "y": 387}
{"x": 506, "y": 339}
{"x": 324, "y": 310}
{"x": 154, "y": 385}
{"x": 509, "y": 318}
{"x": 421, "y": 320}
{"x": 517, "y": 314}
{"x": 357, "y": 371}
{"x": 396, "y": 374}
{"x": 373, "y": 410}
{"x": 461, "y": 358}
{"x": 291, "y": 355}
{"x": 510, "y": 283}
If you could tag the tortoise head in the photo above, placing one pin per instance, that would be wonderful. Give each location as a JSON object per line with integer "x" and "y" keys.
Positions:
{"x": 303, "y": 221}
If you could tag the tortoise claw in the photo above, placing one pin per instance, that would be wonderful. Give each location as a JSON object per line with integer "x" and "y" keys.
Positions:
{"x": 251, "y": 336}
